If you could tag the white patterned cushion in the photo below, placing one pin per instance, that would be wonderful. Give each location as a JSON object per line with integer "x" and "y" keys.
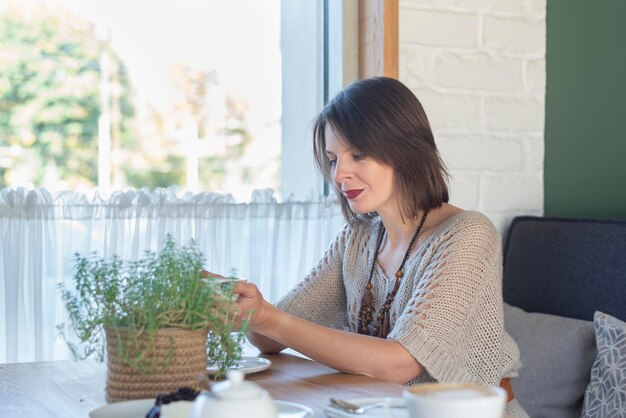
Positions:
{"x": 606, "y": 393}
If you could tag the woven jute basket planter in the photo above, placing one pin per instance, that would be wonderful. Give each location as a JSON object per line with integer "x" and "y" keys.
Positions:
{"x": 186, "y": 367}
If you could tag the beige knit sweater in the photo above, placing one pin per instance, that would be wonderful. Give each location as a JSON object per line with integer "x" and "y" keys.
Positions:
{"x": 448, "y": 310}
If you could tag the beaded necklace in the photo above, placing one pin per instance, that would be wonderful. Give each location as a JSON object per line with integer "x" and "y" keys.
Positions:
{"x": 367, "y": 301}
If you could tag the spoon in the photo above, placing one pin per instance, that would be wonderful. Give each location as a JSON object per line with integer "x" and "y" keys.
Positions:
{"x": 352, "y": 408}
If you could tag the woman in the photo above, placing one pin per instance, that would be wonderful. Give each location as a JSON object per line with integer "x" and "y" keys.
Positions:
{"x": 410, "y": 289}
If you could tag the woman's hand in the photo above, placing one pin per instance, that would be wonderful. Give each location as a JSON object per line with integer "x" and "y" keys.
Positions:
{"x": 250, "y": 302}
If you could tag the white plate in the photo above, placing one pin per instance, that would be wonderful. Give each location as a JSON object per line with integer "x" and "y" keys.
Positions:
{"x": 398, "y": 409}
{"x": 247, "y": 365}
{"x": 127, "y": 409}
{"x": 140, "y": 407}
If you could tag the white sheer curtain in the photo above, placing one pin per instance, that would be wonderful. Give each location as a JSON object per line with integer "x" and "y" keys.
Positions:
{"x": 271, "y": 244}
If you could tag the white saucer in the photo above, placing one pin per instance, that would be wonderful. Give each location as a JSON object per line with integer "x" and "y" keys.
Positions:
{"x": 224, "y": 280}
{"x": 246, "y": 365}
{"x": 139, "y": 408}
{"x": 293, "y": 410}
{"x": 397, "y": 408}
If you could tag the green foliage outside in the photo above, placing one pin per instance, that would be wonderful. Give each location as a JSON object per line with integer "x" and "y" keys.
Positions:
{"x": 49, "y": 95}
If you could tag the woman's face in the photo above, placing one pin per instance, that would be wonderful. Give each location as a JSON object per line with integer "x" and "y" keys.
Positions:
{"x": 367, "y": 184}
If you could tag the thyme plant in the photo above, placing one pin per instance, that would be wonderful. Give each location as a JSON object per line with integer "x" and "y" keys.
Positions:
{"x": 137, "y": 298}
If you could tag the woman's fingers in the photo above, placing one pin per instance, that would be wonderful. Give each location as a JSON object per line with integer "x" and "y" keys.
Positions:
{"x": 245, "y": 289}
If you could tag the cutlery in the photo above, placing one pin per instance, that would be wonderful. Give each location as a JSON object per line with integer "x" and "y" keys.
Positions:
{"x": 352, "y": 408}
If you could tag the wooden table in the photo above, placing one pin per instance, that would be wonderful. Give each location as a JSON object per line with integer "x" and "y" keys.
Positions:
{"x": 68, "y": 389}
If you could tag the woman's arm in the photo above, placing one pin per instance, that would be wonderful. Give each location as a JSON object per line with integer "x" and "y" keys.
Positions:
{"x": 264, "y": 344}
{"x": 272, "y": 330}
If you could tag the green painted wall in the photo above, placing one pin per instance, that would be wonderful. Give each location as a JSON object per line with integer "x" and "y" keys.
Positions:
{"x": 585, "y": 137}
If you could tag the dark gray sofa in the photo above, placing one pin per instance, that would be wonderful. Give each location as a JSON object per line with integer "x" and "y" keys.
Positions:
{"x": 557, "y": 273}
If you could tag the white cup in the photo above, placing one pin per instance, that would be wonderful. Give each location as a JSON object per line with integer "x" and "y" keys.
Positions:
{"x": 451, "y": 400}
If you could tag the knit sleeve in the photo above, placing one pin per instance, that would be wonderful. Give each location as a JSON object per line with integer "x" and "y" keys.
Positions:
{"x": 453, "y": 323}
{"x": 321, "y": 296}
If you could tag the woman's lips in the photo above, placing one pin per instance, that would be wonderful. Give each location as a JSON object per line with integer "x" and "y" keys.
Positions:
{"x": 352, "y": 194}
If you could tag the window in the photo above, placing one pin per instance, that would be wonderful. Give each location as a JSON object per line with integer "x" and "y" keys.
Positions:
{"x": 208, "y": 95}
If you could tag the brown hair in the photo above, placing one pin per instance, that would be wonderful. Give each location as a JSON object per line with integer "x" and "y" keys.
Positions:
{"x": 382, "y": 118}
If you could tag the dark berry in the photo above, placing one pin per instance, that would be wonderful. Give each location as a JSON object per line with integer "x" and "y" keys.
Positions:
{"x": 155, "y": 412}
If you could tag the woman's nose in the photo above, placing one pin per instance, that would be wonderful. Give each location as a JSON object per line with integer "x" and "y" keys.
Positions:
{"x": 341, "y": 171}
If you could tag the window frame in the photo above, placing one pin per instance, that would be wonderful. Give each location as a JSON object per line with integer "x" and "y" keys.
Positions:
{"x": 359, "y": 40}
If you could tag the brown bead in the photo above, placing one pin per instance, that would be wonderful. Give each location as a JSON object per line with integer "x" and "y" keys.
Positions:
{"x": 396, "y": 286}
{"x": 368, "y": 298}
{"x": 399, "y": 274}
{"x": 368, "y": 286}
{"x": 382, "y": 329}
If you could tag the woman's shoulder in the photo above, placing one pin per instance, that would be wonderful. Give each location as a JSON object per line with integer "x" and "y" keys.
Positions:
{"x": 474, "y": 218}
{"x": 464, "y": 234}
{"x": 468, "y": 225}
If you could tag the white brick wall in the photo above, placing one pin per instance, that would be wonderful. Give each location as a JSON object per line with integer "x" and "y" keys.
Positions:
{"x": 478, "y": 67}
{"x": 478, "y": 71}
{"x": 424, "y": 28}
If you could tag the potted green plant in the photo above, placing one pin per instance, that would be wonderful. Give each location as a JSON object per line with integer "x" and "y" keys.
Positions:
{"x": 158, "y": 320}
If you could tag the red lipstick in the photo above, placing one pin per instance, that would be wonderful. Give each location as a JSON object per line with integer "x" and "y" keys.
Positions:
{"x": 352, "y": 194}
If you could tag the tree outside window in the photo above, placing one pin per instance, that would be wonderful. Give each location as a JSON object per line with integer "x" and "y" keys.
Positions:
{"x": 54, "y": 66}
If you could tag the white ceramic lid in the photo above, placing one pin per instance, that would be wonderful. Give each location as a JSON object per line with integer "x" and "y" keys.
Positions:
{"x": 235, "y": 388}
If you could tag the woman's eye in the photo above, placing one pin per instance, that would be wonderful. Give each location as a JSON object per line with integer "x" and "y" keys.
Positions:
{"x": 332, "y": 162}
